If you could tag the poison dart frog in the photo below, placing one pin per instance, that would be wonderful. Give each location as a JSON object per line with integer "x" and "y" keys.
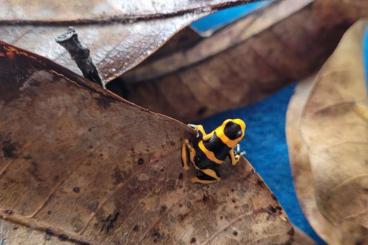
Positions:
{"x": 206, "y": 152}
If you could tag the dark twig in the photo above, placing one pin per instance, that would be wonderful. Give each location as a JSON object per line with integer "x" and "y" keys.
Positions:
{"x": 80, "y": 55}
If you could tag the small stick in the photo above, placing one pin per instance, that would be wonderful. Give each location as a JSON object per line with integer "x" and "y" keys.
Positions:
{"x": 81, "y": 55}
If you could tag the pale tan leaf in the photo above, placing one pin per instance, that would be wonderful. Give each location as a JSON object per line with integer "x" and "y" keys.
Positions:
{"x": 300, "y": 163}
{"x": 327, "y": 129}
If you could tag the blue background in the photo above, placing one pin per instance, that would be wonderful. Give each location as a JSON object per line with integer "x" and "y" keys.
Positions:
{"x": 265, "y": 141}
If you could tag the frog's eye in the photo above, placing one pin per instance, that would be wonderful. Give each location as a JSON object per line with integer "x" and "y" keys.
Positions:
{"x": 232, "y": 130}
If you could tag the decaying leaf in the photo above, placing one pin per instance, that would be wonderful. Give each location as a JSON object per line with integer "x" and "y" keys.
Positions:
{"x": 219, "y": 42}
{"x": 80, "y": 163}
{"x": 301, "y": 238}
{"x": 11, "y": 233}
{"x": 327, "y": 132}
{"x": 68, "y": 11}
{"x": 351, "y": 8}
{"x": 241, "y": 63}
{"x": 119, "y": 34}
{"x": 298, "y": 154}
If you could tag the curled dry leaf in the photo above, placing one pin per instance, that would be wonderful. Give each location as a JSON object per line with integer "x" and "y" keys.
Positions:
{"x": 119, "y": 35}
{"x": 298, "y": 154}
{"x": 327, "y": 132}
{"x": 301, "y": 238}
{"x": 350, "y": 8}
{"x": 240, "y": 64}
{"x": 69, "y": 11}
{"x": 80, "y": 163}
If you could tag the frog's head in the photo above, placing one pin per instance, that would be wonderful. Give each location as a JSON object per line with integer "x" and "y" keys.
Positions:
{"x": 234, "y": 129}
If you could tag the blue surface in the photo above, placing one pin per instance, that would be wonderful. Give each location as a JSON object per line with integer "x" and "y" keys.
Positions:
{"x": 365, "y": 54}
{"x": 265, "y": 141}
{"x": 226, "y": 16}
{"x": 266, "y": 148}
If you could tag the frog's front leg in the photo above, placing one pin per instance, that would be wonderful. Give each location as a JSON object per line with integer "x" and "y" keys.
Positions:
{"x": 235, "y": 154}
{"x": 234, "y": 157}
{"x": 187, "y": 150}
{"x": 201, "y": 134}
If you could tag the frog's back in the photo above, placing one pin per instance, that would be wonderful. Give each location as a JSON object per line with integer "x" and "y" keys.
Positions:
{"x": 217, "y": 147}
{"x": 201, "y": 161}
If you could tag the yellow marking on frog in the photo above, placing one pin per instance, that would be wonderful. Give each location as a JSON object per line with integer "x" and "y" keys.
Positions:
{"x": 200, "y": 181}
{"x": 209, "y": 154}
{"x": 210, "y": 170}
{"x": 220, "y": 132}
{"x": 210, "y": 173}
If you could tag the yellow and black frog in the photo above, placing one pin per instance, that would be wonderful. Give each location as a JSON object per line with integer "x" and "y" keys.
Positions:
{"x": 206, "y": 152}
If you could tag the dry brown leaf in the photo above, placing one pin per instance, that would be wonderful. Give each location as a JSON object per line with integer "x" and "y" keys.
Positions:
{"x": 350, "y": 8}
{"x": 80, "y": 163}
{"x": 219, "y": 42}
{"x": 327, "y": 133}
{"x": 69, "y": 11}
{"x": 119, "y": 35}
{"x": 298, "y": 154}
{"x": 301, "y": 238}
{"x": 15, "y": 234}
{"x": 239, "y": 64}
